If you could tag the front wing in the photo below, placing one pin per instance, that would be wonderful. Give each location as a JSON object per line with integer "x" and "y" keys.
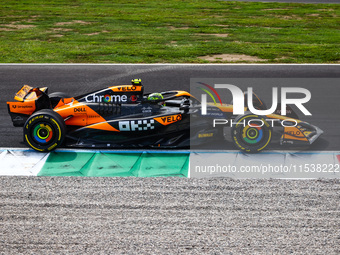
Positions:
{"x": 302, "y": 133}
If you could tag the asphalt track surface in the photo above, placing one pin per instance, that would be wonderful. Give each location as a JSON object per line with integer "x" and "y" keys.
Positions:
{"x": 79, "y": 79}
{"x": 47, "y": 215}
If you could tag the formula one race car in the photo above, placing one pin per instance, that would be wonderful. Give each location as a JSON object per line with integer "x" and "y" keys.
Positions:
{"x": 124, "y": 117}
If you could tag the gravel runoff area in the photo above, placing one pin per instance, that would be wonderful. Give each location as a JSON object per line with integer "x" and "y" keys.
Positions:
{"x": 45, "y": 215}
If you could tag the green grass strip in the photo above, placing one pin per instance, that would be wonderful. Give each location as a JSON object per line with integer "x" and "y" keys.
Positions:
{"x": 168, "y": 31}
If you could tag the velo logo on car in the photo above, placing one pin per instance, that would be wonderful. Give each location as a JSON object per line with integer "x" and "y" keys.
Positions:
{"x": 166, "y": 120}
{"x": 128, "y": 88}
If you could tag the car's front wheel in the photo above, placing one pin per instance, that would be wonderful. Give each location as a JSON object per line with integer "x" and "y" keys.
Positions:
{"x": 251, "y": 133}
{"x": 44, "y": 131}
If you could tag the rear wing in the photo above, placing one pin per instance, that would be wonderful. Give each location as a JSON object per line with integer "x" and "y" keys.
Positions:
{"x": 29, "y": 93}
{"x": 27, "y": 101}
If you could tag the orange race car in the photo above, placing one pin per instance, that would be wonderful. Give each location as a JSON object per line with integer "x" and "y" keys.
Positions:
{"x": 124, "y": 117}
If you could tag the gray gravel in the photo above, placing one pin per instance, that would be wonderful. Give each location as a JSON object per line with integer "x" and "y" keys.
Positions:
{"x": 45, "y": 215}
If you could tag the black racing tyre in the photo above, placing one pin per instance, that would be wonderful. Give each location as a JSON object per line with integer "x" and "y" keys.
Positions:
{"x": 56, "y": 96}
{"x": 44, "y": 131}
{"x": 251, "y": 133}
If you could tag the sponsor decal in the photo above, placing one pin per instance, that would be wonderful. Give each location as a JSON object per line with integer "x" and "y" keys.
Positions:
{"x": 22, "y": 92}
{"x": 166, "y": 120}
{"x": 133, "y": 98}
{"x": 147, "y": 111}
{"x": 107, "y": 98}
{"x": 22, "y": 106}
{"x": 136, "y": 125}
{"x": 80, "y": 109}
{"x": 205, "y": 135}
{"x": 93, "y": 98}
{"x": 26, "y": 88}
{"x": 33, "y": 119}
{"x": 127, "y": 88}
{"x": 52, "y": 147}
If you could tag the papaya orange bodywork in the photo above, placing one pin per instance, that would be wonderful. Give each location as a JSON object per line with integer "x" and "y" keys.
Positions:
{"x": 293, "y": 133}
{"x": 27, "y": 107}
{"x": 78, "y": 114}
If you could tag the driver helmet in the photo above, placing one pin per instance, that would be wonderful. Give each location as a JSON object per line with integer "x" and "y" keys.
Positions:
{"x": 156, "y": 96}
{"x": 136, "y": 81}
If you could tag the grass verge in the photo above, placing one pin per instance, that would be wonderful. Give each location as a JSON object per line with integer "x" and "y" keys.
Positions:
{"x": 168, "y": 31}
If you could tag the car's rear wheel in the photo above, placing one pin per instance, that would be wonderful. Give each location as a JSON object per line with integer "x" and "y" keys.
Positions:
{"x": 44, "y": 131}
{"x": 251, "y": 133}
